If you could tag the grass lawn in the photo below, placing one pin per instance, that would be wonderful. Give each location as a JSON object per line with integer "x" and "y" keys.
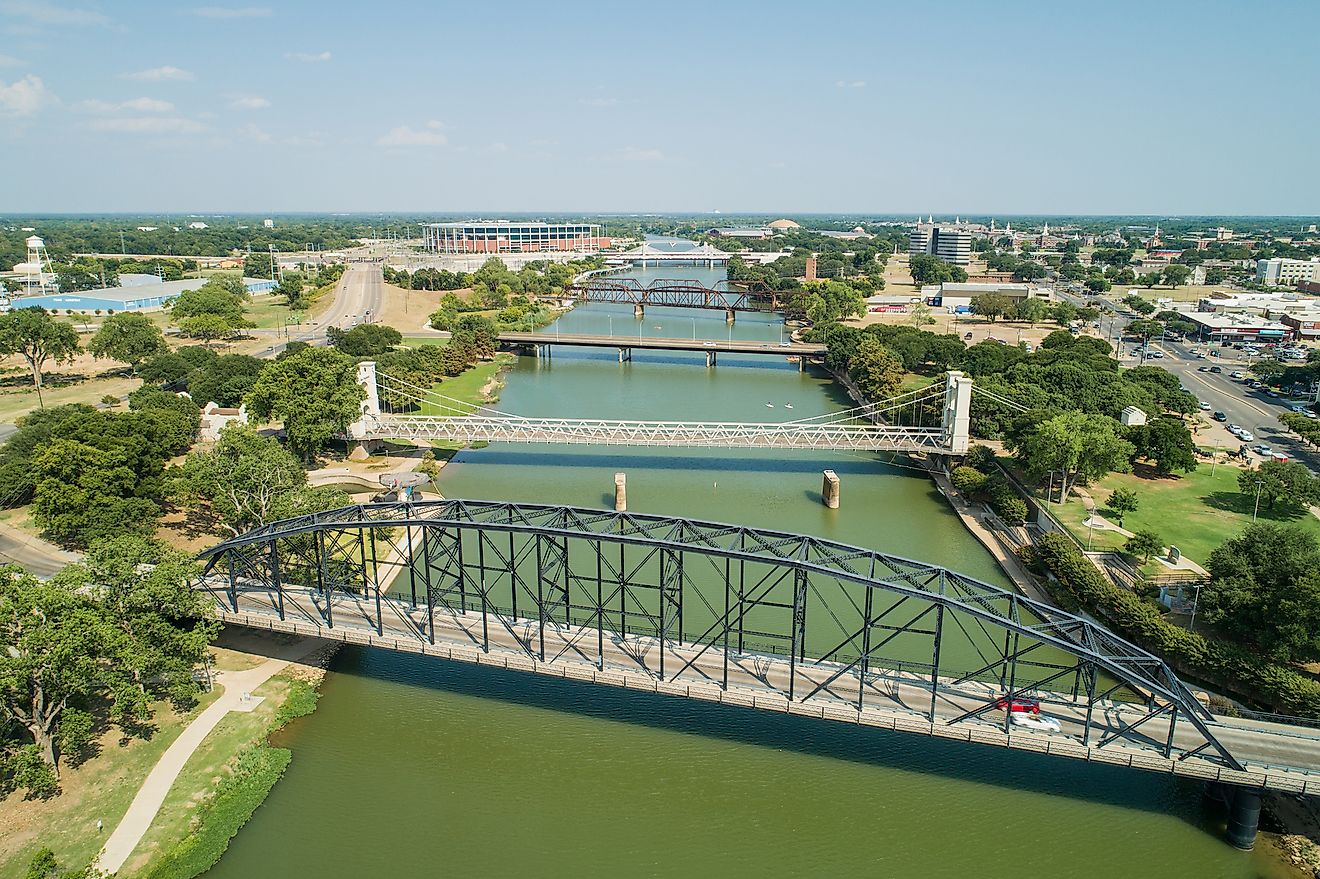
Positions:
{"x": 468, "y": 386}
{"x": 100, "y": 789}
{"x": 1195, "y": 511}
{"x": 18, "y": 399}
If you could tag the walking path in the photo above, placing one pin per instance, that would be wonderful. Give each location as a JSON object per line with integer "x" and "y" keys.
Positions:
{"x": 142, "y": 811}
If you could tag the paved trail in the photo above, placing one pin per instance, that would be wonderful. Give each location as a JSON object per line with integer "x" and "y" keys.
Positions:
{"x": 152, "y": 794}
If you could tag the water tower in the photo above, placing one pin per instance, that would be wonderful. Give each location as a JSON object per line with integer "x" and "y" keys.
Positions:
{"x": 36, "y": 270}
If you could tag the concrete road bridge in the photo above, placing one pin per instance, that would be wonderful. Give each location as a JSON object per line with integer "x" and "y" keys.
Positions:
{"x": 746, "y": 617}
{"x": 931, "y": 420}
{"x": 542, "y": 343}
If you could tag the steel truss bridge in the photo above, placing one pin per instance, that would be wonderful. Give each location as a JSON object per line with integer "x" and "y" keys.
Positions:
{"x": 727, "y": 296}
{"x": 743, "y": 616}
{"x": 933, "y": 420}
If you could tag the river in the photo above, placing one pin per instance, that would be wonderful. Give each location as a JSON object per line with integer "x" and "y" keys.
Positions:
{"x": 416, "y": 767}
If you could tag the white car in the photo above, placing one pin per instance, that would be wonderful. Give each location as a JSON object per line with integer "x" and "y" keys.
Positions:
{"x": 1205, "y": 407}
{"x": 1235, "y": 429}
{"x": 1246, "y": 436}
{"x": 1036, "y": 722}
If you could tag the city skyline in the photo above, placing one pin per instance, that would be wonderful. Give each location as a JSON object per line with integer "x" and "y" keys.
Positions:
{"x": 606, "y": 109}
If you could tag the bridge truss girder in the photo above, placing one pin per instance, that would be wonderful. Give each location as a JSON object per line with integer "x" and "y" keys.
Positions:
{"x": 676, "y": 293}
{"x": 848, "y": 621}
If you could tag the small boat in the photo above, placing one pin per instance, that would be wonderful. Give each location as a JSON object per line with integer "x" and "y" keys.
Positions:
{"x": 769, "y": 405}
{"x": 788, "y": 405}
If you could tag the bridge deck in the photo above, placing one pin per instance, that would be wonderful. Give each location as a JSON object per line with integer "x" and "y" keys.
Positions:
{"x": 579, "y": 340}
{"x": 895, "y": 700}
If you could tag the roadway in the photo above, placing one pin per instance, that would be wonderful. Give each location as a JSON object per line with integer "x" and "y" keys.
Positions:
{"x": 664, "y": 344}
{"x": 1275, "y": 757}
{"x": 359, "y": 296}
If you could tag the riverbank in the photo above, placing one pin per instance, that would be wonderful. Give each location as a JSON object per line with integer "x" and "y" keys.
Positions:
{"x": 233, "y": 769}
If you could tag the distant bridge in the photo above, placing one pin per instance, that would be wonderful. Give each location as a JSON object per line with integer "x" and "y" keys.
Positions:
{"x": 542, "y": 342}
{"x": 727, "y": 296}
{"x": 742, "y": 616}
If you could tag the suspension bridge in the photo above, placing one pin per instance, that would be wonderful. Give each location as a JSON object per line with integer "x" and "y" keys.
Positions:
{"x": 745, "y": 617}
{"x": 932, "y": 420}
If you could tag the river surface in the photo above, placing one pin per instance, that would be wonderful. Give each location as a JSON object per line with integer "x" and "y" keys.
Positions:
{"x": 417, "y": 767}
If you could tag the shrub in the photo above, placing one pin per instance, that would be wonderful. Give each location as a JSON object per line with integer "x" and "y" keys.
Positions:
{"x": 968, "y": 480}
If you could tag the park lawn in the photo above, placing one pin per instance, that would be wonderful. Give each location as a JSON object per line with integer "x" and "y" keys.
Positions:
{"x": 237, "y": 730}
{"x": 469, "y": 386}
{"x": 18, "y": 400}
{"x": 1195, "y": 511}
{"x": 100, "y": 789}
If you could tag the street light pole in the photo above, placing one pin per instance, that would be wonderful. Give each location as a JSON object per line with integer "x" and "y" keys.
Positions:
{"x": 1256, "y": 509}
{"x": 1196, "y": 599}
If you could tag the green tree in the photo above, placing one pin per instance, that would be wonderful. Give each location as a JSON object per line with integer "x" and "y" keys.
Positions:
{"x": 226, "y": 380}
{"x": 364, "y": 340}
{"x": 38, "y": 337}
{"x": 1144, "y": 544}
{"x": 919, "y": 314}
{"x": 1167, "y": 442}
{"x": 292, "y": 287}
{"x": 1098, "y": 285}
{"x": 241, "y": 478}
{"x": 1176, "y": 275}
{"x": 1075, "y": 445}
{"x": 877, "y": 373}
{"x": 1123, "y": 501}
{"x": 991, "y": 306}
{"x": 314, "y": 392}
{"x": 1145, "y": 329}
{"x": 1032, "y": 309}
{"x": 1285, "y": 483}
{"x": 1064, "y": 313}
{"x": 258, "y": 265}
{"x": 208, "y": 327}
{"x": 1149, "y": 279}
{"x": 129, "y": 338}
{"x": 84, "y": 493}
{"x": 1265, "y": 590}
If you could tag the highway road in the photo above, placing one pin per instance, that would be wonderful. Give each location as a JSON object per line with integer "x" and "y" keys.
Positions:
{"x": 359, "y": 298}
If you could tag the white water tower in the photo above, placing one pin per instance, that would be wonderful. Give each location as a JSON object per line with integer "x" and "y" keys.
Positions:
{"x": 37, "y": 276}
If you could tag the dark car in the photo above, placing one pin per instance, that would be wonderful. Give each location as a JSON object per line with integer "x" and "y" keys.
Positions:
{"x": 1219, "y": 416}
{"x": 1219, "y": 369}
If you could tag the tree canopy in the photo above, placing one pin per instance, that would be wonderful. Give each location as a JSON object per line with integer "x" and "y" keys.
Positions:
{"x": 38, "y": 337}
{"x": 314, "y": 392}
{"x": 128, "y": 337}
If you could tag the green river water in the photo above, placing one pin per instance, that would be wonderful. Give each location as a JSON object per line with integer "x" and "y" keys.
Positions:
{"x": 416, "y": 767}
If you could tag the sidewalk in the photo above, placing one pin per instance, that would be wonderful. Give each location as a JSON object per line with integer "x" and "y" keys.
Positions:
{"x": 158, "y": 782}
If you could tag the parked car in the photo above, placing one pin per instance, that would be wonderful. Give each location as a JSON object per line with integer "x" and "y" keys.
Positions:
{"x": 1205, "y": 407}
{"x": 1246, "y": 436}
{"x": 1298, "y": 408}
{"x": 1217, "y": 369}
{"x": 1219, "y": 416}
{"x": 1237, "y": 373}
{"x": 1202, "y": 369}
{"x": 967, "y": 335}
{"x": 1235, "y": 429}
{"x": 1262, "y": 449}
{"x": 1157, "y": 355}
{"x": 1036, "y": 722}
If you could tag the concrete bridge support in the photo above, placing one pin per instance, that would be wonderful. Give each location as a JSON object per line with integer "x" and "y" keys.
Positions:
{"x": 711, "y": 359}
{"x": 369, "y": 409}
{"x": 829, "y": 489}
{"x": 1242, "y": 805}
{"x": 620, "y": 492}
{"x": 957, "y": 411}
{"x": 730, "y": 315}
{"x": 639, "y": 310}
{"x": 625, "y": 355}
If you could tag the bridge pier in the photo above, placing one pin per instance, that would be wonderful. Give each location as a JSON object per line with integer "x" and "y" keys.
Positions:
{"x": 620, "y": 492}
{"x": 829, "y": 489}
{"x": 625, "y": 355}
{"x": 729, "y": 315}
{"x": 711, "y": 359}
{"x": 1242, "y": 805}
{"x": 639, "y": 310}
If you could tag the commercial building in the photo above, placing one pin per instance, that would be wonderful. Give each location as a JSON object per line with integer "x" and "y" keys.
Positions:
{"x": 1282, "y": 272}
{"x": 958, "y": 296}
{"x": 505, "y": 236}
{"x": 951, "y": 245}
{"x": 1304, "y": 324}
{"x": 1224, "y": 327}
{"x": 740, "y": 233}
{"x": 138, "y": 297}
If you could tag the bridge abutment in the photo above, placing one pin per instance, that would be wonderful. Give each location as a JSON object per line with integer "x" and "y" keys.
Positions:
{"x": 1242, "y": 805}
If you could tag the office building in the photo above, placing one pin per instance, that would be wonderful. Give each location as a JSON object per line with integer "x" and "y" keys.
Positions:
{"x": 1284, "y": 272}
{"x": 949, "y": 244}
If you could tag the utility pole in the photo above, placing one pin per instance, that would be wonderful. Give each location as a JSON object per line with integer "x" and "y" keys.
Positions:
{"x": 1256, "y": 509}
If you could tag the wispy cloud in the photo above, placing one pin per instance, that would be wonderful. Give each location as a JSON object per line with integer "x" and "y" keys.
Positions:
{"x": 136, "y": 105}
{"x": 407, "y": 136}
{"x": 850, "y": 84}
{"x": 641, "y": 154}
{"x": 160, "y": 74}
{"x": 598, "y": 102}
{"x": 147, "y": 125}
{"x": 23, "y": 97}
{"x": 232, "y": 12}
{"x": 42, "y": 13}
{"x": 308, "y": 57}
{"x": 254, "y": 132}
{"x": 10, "y": 61}
{"x": 249, "y": 102}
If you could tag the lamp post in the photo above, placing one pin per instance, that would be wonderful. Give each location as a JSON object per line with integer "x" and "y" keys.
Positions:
{"x": 1256, "y": 509}
{"x": 1196, "y": 599}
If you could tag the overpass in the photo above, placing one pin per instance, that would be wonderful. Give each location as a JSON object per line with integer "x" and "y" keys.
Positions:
{"x": 932, "y": 420}
{"x": 543, "y": 342}
{"x": 746, "y": 617}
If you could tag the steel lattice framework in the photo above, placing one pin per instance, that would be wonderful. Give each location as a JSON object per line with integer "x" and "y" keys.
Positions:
{"x": 811, "y": 620}
{"x": 726, "y": 295}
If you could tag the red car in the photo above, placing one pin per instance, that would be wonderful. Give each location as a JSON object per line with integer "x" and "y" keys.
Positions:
{"x": 1030, "y": 706}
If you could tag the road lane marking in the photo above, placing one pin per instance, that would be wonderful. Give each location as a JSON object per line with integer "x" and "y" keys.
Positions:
{"x": 1243, "y": 400}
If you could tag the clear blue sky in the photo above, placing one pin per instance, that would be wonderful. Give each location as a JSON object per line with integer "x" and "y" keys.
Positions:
{"x": 566, "y": 105}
